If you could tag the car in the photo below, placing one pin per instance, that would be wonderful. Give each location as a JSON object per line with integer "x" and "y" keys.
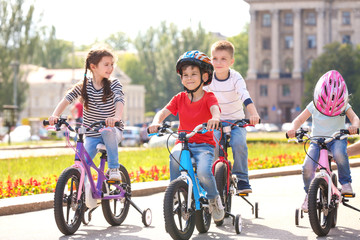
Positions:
{"x": 19, "y": 134}
{"x": 285, "y": 126}
{"x": 130, "y": 137}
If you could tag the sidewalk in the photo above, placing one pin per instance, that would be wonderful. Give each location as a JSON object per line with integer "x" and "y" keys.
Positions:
{"x": 38, "y": 202}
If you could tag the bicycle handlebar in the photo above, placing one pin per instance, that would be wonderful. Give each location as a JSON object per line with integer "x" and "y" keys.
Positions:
{"x": 341, "y": 134}
{"x": 63, "y": 121}
{"x": 165, "y": 128}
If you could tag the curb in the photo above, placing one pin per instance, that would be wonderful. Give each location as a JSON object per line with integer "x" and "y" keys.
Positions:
{"x": 39, "y": 202}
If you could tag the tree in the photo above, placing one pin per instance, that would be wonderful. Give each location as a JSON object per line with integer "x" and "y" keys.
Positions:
{"x": 18, "y": 39}
{"x": 118, "y": 41}
{"x": 158, "y": 51}
{"x": 343, "y": 58}
{"x": 240, "y": 43}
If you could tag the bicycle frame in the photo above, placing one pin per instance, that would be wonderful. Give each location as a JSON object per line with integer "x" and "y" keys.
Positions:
{"x": 188, "y": 175}
{"x": 324, "y": 173}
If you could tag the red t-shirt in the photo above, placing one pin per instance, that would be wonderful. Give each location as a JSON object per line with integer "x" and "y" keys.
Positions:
{"x": 193, "y": 114}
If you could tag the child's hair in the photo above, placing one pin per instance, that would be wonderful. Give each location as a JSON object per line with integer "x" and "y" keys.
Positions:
{"x": 94, "y": 57}
{"x": 224, "y": 45}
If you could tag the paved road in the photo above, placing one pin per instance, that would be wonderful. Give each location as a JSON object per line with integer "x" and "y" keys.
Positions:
{"x": 278, "y": 197}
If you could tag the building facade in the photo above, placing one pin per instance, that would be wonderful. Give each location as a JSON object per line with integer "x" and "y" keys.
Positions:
{"x": 48, "y": 86}
{"x": 284, "y": 38}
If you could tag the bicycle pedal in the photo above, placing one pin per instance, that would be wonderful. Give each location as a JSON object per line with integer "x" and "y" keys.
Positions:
{"x": 242, "y": 194}
{"x": 112, "y": 182}
{"x": 349, "y": 195}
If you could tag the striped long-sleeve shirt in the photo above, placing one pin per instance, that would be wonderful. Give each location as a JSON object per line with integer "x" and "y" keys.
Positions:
{"x": 231, "y": 94}
{"x": 97, "y": 109}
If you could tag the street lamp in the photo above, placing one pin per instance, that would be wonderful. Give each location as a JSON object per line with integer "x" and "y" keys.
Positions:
{"x": 15, "y": 64}
{"x": 10, "y": 117}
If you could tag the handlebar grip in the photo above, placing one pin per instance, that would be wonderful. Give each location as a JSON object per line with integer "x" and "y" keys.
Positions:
{"x": 287, "y": 136}
{"x": 46, "y": 122}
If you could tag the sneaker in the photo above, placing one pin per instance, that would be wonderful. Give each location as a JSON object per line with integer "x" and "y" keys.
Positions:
{"x": 243, "y": 187}
{"x": 114, "y": 174}
{"x": 346, "y": 188}
{"x": 217, "y": 209}
{"x": 304, "y": 206}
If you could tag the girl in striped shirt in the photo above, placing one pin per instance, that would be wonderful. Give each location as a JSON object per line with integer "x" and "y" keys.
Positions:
{"x": 102, "y": 99}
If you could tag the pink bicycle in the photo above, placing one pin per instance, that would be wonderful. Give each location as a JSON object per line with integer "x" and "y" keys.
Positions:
{"x": 76, "y": 191}
{"x": 323, "y": 196}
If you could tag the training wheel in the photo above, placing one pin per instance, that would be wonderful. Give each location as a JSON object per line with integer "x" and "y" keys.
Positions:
{"x": 297, "y": 217}
{"x": 256, "y": 210}
{"x": 238, "y": 224}
{"x": 147, "y": 217}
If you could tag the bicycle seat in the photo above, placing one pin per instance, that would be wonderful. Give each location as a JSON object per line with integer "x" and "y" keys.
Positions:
{"x": 101, "y": 148}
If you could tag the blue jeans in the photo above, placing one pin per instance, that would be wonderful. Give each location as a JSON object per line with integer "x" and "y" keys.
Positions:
{"x": 239, "y": 150}
{"x": 203, "y": 155}
{"x": 338, "y": 149}
{"x": 111, "y": 138}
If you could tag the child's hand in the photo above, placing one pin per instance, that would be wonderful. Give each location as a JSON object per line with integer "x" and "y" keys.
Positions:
{"x": 254, "y": 119}
{"x": 352, "y": 130}
{"x": 53, "y": 119}
{"x": 153, "y": 128}
{"x": 291, "y": 133}
{"x": 213, "y": 124}
{"x": 110, "y": 121}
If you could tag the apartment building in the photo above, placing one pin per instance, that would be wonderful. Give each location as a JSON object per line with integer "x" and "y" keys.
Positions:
{"x": 284, "y": 38}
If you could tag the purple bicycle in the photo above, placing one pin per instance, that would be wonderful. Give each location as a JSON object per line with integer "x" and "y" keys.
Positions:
{"x": 77, "y": 193}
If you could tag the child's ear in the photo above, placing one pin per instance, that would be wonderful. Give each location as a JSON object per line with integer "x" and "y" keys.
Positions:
{"x": 205, "y": 76}
{"x": 92, "y": 66}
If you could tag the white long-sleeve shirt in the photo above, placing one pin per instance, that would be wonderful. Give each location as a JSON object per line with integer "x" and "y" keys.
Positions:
{"x": 231, "y": 94}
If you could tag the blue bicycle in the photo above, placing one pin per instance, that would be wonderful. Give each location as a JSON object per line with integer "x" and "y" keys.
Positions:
{"x": 185, "y": 202}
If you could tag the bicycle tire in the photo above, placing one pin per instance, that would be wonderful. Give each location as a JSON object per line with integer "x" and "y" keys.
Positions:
{"x": 321, "y": 217}
{"x": 202, "y": 220}
{"x": 68, "y": 211}
{"x": 179, "y": 222}
{"x": 221, "y": 185}
{"x": 116, "y": 210}
{"x": 334, "y": 180}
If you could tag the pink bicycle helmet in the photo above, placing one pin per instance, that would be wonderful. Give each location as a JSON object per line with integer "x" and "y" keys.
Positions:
{"x": 331, "y": 94}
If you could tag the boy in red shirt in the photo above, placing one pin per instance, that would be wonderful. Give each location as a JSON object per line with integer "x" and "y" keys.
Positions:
{"x": 195, "y": 106}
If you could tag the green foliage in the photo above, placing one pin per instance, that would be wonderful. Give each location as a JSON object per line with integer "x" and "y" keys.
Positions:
{"x": 343, "y": 58}
{"x": 240, "y": 43}
{"x": 118, "y": 41}
{"x": 158, "y": 51}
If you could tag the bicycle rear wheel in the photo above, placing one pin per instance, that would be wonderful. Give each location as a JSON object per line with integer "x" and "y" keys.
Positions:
{"x": 221, "y": 185}
{"x": 116, "y": 210}
{"x": 321, "y": 217}
{"x": 179, "y": 222}
{"x": 67, "y": 210}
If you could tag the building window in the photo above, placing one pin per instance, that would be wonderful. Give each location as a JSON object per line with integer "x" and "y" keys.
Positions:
{"x": 346, "y": 18}
{"x": 311, "y": 41}
{"x": 263, "y": 90}
{"x": 310, "y": 19}
{"x": 266, "y": 43}
{"x": 289, "y": 65}
{"x": 346, "y": 39}
{"x": 264, "y": 113}
{"x": 288, "y": 19}
{"x": 266, "y": 21}
{"x": 289, "y": 42}
{"x": 266, "y": 66}
{"x": 285, "y": 90}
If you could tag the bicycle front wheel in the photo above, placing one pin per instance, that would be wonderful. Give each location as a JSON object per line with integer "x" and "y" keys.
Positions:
{"x": 320, "y": 215}
{"x": 179, "y": 222}
{"x": 67, "y": 210}
{"x": 116, "y": 210}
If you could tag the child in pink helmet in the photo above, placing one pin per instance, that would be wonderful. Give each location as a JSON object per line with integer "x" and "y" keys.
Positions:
{"x": 328, "y": 110}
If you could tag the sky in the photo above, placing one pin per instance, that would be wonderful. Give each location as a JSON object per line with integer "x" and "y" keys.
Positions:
{"x": 84, "y": 21}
